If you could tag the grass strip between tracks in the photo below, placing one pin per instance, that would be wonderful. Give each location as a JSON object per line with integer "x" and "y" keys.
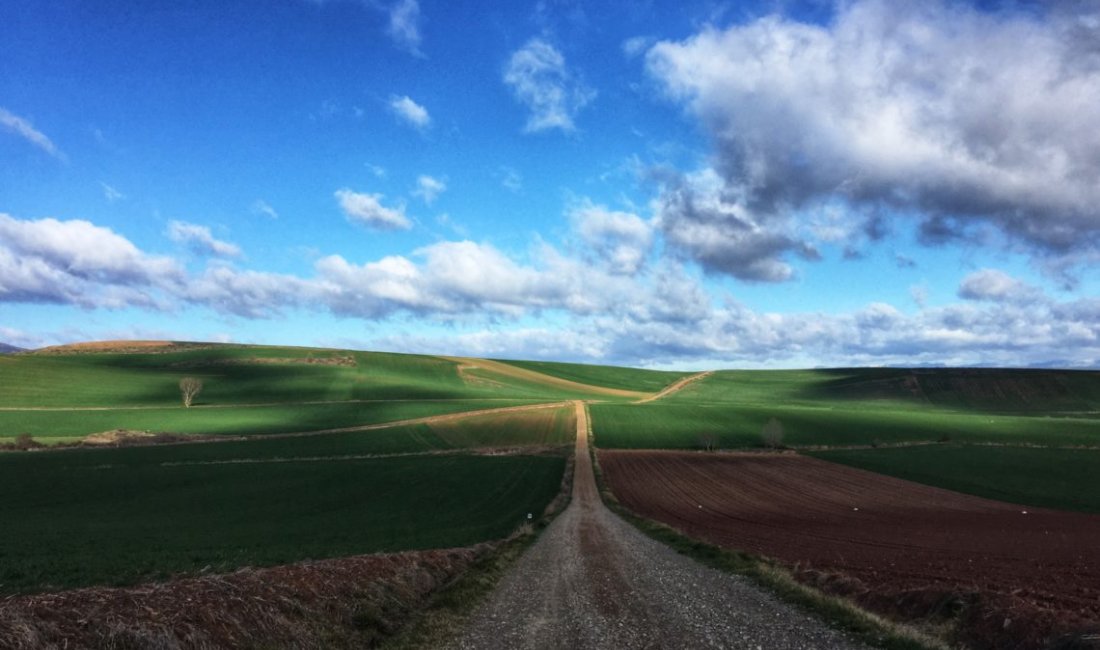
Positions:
{"x": 838, "y": 613}
{"x": 447, "y": 614}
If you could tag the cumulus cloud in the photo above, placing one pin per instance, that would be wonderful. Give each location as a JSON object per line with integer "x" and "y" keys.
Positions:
{"x": 620, "y": 239}
{"x": 200, "y": 241}
{"x": 995, "y": 286}
{"x": 246, "y": 293}
{"x": 962, "y": 118}
{"x": 77, "y": 262}
{"x": 410, "y": 112}
{"x": 368, "y": 210}
{"x": 540, "y": 80}
{"x": 23, "y": 128}
{"x": 404, "y": 25}
{"x": 705, "y": 219}
{"x": 429, "y": 188}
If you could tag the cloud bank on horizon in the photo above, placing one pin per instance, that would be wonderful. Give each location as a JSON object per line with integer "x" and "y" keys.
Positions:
{"x": 878, "y": 183}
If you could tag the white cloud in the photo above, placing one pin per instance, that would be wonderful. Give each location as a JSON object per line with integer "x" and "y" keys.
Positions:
{"x": 79, "y": 263}
{"x": 620, "y": 239}
{"x": 994, "y": 285}
{"x": 24, "y": 129}
{"x": 539, "y": 79}
{"x": 706, "y": 220}
{"x": 367, "y": 209}
{"x": 110, "y": 193}
{"x": 963, "y": 118}
{"x": 261, "y": 207}
{"x": 251, "y": 294}
{"x": 200, "y": 241}
{"x": 410, "y": 112}
{"x": 429, "y": 188}
{"x": 404, "y": 25}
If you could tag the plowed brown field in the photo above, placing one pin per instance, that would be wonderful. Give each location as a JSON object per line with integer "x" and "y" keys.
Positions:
{"x": 1020, "y": 575}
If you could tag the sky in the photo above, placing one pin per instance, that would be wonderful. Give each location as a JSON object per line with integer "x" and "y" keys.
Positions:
{"x": 683, "y": 184}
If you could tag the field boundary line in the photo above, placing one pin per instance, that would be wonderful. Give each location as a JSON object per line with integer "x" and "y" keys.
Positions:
{"x": 676, "y": 386}
{"x": 259, "y": 404}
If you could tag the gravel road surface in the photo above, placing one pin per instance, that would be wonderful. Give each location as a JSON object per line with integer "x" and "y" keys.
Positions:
{"x": 594, "y": 581}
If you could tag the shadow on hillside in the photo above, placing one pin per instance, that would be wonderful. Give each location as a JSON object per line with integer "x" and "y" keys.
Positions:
{"x": 978, "y": 389}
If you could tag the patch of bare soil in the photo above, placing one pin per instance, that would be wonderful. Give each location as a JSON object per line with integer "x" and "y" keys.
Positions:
{"x": 340, "y": 603}
{"x": 1002, "y": 575}
{"x": 106, "y": 346}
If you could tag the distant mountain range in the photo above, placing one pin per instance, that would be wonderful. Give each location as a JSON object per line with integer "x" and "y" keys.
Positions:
{"x": 8, "y": 349}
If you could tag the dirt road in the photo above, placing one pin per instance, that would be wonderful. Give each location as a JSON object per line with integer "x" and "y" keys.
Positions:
{"x": 675, "y": 386}
{"x": 594, "y": 581}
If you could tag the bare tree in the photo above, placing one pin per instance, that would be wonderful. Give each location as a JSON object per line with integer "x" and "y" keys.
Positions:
{"x": 189, "y": 388}
{"x": 772, "y": 434}
{"x": 707, "y": 441}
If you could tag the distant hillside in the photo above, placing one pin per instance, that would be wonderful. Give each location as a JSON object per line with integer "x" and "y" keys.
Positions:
{"x": 9, "y": 349}
{"x": 1001, "y": 389}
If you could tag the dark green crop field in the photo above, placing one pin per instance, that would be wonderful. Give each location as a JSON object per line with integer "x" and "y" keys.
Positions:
{"x": 233, "y": 420}
{"x": 679, "y": 425}
{"x": 1065, "y": 479}
{"x": 82, "y": 517}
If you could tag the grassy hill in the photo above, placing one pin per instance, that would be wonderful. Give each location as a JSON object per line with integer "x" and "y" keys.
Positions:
{"x": 64, "y": 393}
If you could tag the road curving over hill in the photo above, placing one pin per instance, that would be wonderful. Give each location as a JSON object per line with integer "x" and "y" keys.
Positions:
{"x": 465, "y": 364}
{"x": 676, "y": 386}
{"x": 594, "y": 581}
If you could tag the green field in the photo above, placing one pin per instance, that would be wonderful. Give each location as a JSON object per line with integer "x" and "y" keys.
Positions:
{"x": 1064, "y": 479}
{"x": 861, "y": 407}
{"x": 679, "y": 425}
{"x": 237, "y": 420}
{"x": 608, "y": 376}
{"x": 255, "y": 390}
{"x": 83, "y": 517}
{"x": 243, "y": 375}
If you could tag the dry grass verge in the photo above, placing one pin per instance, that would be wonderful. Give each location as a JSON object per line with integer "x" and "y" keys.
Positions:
{"x": 449, "y": 611}
{"x": 341, "y": 603}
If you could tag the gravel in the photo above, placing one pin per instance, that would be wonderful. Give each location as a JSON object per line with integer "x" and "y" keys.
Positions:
{"x": 594, "y": 581}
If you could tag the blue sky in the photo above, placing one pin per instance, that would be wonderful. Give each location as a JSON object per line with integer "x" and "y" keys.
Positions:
{"x": 673, "y": 184}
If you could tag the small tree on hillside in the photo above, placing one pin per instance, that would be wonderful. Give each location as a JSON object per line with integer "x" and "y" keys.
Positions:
{"x": 708, "y": 441}
{"x": 189, "y": 388}
{"x": 772, "y": 434}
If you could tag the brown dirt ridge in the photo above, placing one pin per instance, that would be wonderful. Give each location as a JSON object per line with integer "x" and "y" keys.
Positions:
{"x": 340, "y": 603}
{"x": 1013, "y": 576}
